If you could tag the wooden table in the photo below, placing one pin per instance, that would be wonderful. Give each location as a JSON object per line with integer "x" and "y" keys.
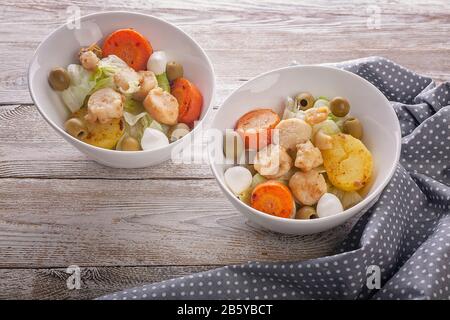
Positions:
{"x": 126, "y": 227}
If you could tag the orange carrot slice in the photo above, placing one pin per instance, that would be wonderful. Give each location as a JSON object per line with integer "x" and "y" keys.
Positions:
{"x": 130, "y": 46}
{"x": 274, "y": 198}
{"x": 255, "y": 127}
{"x": 190, "y": 100}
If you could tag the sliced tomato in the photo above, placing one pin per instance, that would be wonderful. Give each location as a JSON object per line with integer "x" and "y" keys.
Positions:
{"x": 190, "y": 100}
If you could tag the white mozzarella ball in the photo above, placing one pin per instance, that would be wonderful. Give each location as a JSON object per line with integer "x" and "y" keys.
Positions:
{"x": 153, "y": 139}
{"x": 238, "y": 179}
{"x": 328, "y": 205}
{"x": 157, "y": 62}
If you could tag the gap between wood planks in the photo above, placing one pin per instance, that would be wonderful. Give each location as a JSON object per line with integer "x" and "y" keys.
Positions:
{"x": 32, "y": 267}
{"x": 51, "y": 283}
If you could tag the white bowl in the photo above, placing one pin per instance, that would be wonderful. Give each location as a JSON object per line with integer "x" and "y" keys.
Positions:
{"x": 61, "y": 47}
{"x": 381, "y": 132}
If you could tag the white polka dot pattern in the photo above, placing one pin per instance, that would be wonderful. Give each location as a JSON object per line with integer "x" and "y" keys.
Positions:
{"x": 406, "y": 233}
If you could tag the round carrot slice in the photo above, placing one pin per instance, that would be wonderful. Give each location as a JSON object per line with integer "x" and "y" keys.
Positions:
{"x": 255, "y": 127}
{"x": 274, "y": 198}
{"x": 130, "y": 46}
{"x": 190, "y": 100}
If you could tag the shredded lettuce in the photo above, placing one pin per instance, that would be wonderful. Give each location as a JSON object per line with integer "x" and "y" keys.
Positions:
{"x": 111, "y": 65}
{"x": 321, "y": 103}
{"x": 83, "y": 83}
{"x": 132, "y": 119}
{"x": 139, "y": 122}
{"x": 102, "y": 78}
{"x": 119, "y": 143}
{"x": 163, "y": 82}
{"x": 148, "y": 122}
{"x": 133, "y": 106}
{"x": 80, "y": 87}
{"x": 290, "y": 111}
{"x": 347, "y": 198}
{"x": 328, "y": 126}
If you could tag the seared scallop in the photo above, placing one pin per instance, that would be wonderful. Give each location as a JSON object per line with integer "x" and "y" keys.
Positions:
{"x": 292, "y": 132}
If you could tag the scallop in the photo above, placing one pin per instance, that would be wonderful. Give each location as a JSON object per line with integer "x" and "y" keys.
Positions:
{"x": 293, "y": 132}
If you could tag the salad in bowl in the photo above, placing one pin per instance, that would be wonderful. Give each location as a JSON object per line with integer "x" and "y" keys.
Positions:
{"x": 308, "y": 162}
{"x": 303, "y": 149}
{"x": 125, "y": 96}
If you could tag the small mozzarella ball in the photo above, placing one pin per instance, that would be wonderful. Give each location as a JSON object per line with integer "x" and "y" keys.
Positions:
{"x": 328, "y": 205}
{"x": 157, "y": 62}
{"x": 238, "y": 179}
{"x": 153, "y": 139}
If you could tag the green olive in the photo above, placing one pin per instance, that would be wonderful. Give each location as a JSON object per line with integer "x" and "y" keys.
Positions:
{"x": 339, "y": 106}
{"x": 59, "y": 79}
{"x": 178, "y": 131}
{"x": 174, "y": 70}
{"x": 353, "y": 127}
{"x": 306, "y": 213}
{"x": 304, "y": 101}
{"x": 76, "y": 128}
{"x": 130, "y": 144}
{"x": 251, "y": 168}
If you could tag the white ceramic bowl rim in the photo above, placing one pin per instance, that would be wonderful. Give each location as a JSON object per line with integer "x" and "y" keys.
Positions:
{"x": 113, "y": 151}
{"x": 347, "y": 212}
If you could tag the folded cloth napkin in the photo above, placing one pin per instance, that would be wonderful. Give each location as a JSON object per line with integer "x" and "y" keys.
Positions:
{"x": 404, "y": 238}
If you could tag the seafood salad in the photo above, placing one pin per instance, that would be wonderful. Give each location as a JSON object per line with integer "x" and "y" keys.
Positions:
{"x": 125, "y": 96}
{"x": 308, "y": 162}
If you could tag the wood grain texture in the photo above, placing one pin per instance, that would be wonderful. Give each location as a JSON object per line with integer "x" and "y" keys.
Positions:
{"x": 125, "y": 227}
{"x": 95, "y": 281}
{"x": 58, "y": 222}
{"x": 250, "y": 37}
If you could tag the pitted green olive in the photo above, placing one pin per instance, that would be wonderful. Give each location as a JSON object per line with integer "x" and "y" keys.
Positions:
{"x": 59, "y": 79}
{"x": 76, "y": 128}
{"x": 130, "y": 144}
{"x": 174, "y": 70}
{"x": 304, "y": 101}
{"x": 353, "y": 127}
{"x": 178, "y": 131}
{"x": 339, "y": 106}
{"x": 306, "y": 213}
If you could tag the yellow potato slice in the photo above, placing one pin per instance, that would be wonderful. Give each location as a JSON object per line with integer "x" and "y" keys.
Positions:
{"x": 348, "y": 163}
{"x": 101, "y": 135}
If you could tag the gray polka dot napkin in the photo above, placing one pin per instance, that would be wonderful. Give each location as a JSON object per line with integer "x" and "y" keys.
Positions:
{"x": 399, "y": 249}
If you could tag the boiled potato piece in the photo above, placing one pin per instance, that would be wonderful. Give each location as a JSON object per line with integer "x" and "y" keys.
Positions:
{"x": 103, "y": 135}
{"x": 348, "y": 163}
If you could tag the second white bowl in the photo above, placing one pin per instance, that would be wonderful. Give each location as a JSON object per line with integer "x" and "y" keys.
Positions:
{"x": 381, "y": 132}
